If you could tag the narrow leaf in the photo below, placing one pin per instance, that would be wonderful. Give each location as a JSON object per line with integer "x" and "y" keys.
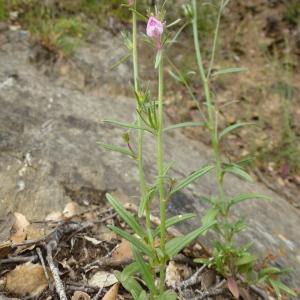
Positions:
{"x": 167, "y": 295}
{"x": 233, "y": 127}
{"x": 210, "y": 216}
{"x": 145, "y": 200}
{"x": 119, "y": 62}
{"x": 144, "y": 270}
{"x": 131, "y": 285}
{"x": 229, "y": 70}
{"x": 129, "y": 271}
{"x": 125, "y": 125}
{"x": 281, "y": 286}
{"x": 184, "y": 125}
{"x": 116, "y": 149}
{"x": 245, "y": 197}
{"x": 175, "y": 245}
{"x": 245, "y": 260}
{"x": 137, "y": 243}
{"x": 175, "y": 220}
{"x": 239, "y": 172}
{"x": 126, "y": 216}
{"x": 191, "y": 178}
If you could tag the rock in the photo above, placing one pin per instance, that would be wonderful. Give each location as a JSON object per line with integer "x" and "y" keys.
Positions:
{"x": 57, "y": 125}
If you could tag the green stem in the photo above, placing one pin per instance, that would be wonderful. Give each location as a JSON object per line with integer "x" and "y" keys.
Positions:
{"x": 212, "y": 124}
{"x": 216, "y": 35}
{"x": 143, "y": 186}
{"x": 160, "y": 167}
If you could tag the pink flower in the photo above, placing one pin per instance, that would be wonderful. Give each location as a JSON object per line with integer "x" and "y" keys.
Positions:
{"x": 155, "y": 29}
{"x": 130, "y": 2}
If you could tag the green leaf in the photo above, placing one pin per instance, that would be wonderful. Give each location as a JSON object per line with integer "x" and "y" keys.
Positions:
{"x": 279, "y": 286}
{"x": 141, "y": 16}
{"x": 245, "y": 197}
{"x": 119, "y": 62}
{"x": 246, "y": 259}
{"x": 275, "y": 287}
{"x": 175, "y": 245}
{"x": 167, "y": 295}
{"x": 126, "y": 216}
{"x": 229, "y": 71}
{"x": 131, "y": 285}
{"x": 136, "y": 242}
{"x": 191, "y": 178}
{"x": 148, "y": 197}
{"x": 236, "y": 170}
{"x": 144, "y": 296}
{"x": 126, "y": 125}
{"x": 116, "y": 149}
{"x": 210, "y": 216}
{"x": 144, "y": 270}
{"x": 129, "y": 271}
{"x": 233, "y": 127}
{"x": 184, "y": 125}
{"x": 175, "y": 220}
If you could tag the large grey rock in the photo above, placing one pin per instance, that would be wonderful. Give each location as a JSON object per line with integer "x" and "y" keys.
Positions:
{"x": 48, "y": 151}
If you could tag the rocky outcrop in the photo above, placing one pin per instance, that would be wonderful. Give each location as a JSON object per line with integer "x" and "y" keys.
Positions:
{"x": 49, "y": 129}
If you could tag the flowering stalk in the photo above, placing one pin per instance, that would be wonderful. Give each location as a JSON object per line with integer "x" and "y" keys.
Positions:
{"x": 160, "y": 166}
{"x": 212, "y": 123}
{"x": 143, "y": 186}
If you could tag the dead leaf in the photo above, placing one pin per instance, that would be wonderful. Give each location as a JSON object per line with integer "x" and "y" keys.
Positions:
{"x": 78, "y": 295}
{"x": 19, "y": 228}
{"x": 123, "y": 251}
{"x": 93, "y": 240}
{"x": 233, "y": 287}
{"x": 103, "y": 279}
{"x": 54, "y": 216}
{"x": 71, "y": 210}
{"x": 112, "y": 293}
{"x": 26, "y": 279}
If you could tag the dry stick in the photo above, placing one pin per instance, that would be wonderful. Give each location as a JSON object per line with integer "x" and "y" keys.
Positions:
{"x": 18, "y": 259}
{"x": 39, "y": 252}
{"x": 57, "y": 281}
{"x": 193, "y": 279}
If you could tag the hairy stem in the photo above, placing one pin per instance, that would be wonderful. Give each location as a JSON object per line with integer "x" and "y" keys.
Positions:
{"x": 212, "y": 114}
{"x": 143, "y": 186}
{"x": 160, "y": 167}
